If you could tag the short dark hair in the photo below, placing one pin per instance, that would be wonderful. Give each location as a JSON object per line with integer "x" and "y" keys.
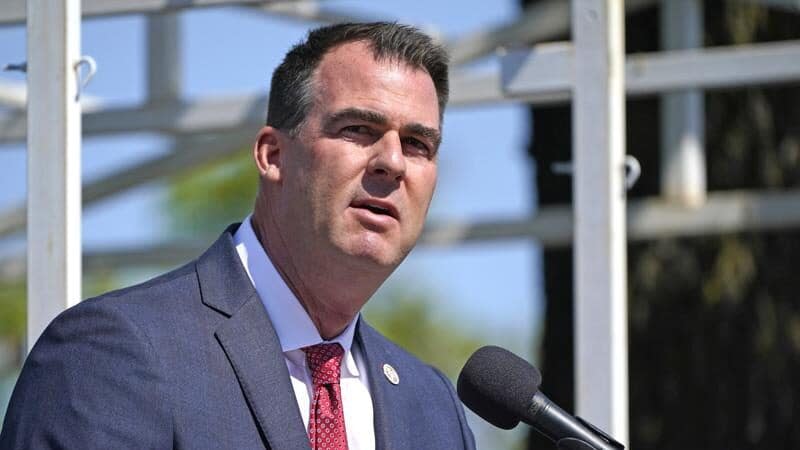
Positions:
{"x": 292, "y": 89}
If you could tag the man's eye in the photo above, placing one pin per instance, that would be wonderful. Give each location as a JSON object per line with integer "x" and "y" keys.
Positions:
{"x": 418, "y": 146}
{"x": 357, "y": 129}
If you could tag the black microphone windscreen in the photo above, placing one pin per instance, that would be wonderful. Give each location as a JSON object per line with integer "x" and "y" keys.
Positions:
{"x": 498, "y": 386}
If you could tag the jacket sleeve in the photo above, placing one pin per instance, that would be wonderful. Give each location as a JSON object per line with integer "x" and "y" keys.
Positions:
{"x": 92, "y": 381}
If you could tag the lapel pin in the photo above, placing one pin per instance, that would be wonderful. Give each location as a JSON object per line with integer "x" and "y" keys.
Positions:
{"x": 391, "y": 374}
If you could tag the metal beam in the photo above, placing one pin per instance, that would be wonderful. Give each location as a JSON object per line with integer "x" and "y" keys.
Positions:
{"x": 94, "y": 261}
{"x": 181, "y": 117}
{"x": 598, "y": 189}
{"x": 13, "y": 94}
{"x": 723, "y": 212}
{"x": 54, "y": 162}
{"x": 13, "y": 11}
{"x": 683, "y": 158}
{"x": 546, "y": 72}
{"x": 187, "y": 153}
{"x": 312, "y": 11}
{"x": 713, "y": 68}
{"x": 163, "y": 57}
{"x": 647, "y": 219}
{"x": 539, "y": 22}
{"x": 176, "y": 117}
{"x": 474, "y": 88}
{"x": 551, "y": 227}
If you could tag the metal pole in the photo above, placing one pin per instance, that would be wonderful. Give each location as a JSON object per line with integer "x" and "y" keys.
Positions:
{"x": 598, "y": 112}
{"x": 163, "y": 57}
{"x": 54, "y": 144}
{"x": 683, "y": 159}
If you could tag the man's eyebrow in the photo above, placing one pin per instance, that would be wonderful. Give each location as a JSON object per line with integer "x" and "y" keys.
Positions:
{"x": 377, "y": 118}
{"x": 428, "y": 133}
{"x": 357, "y": 114}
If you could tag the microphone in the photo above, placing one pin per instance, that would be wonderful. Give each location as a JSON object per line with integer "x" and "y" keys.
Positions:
{"x": 503, "y": 389}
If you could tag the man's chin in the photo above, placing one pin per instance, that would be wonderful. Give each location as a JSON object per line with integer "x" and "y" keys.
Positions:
{"x": 378, "y": 254}
{"x": 381, "y": 260}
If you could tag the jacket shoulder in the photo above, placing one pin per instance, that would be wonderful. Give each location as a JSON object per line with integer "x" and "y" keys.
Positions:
{"x": 167, "y": 285}
{"x": 83, "y": 364}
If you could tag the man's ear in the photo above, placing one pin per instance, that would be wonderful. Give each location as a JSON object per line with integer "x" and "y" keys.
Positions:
{"x": 267, "y": 153}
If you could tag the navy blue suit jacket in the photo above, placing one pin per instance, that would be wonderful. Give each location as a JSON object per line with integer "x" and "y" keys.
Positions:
{"x": 190, "y": 360}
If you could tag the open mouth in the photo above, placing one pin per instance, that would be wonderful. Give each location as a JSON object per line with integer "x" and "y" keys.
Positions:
{"x": 376, "y": 207}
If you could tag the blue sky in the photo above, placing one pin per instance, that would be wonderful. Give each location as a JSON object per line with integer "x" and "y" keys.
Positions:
{"x": 484, "y": 172}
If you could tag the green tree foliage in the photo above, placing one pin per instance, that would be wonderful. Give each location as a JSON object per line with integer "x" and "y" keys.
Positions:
{"x": 13, "y": 313}
{"x": 201, "y": 202}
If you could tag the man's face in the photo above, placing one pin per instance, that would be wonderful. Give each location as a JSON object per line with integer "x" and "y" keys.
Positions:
{"x": 357, "y": 181}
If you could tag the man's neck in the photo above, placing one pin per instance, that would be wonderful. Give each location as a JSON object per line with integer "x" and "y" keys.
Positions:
{"x": 331, "y": 298}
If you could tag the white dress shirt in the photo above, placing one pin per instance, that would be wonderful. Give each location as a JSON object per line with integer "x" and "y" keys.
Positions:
{"x": 296, "y": 330}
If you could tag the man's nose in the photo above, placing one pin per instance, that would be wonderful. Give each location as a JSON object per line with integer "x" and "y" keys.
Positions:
{"x": 388, "y": 159}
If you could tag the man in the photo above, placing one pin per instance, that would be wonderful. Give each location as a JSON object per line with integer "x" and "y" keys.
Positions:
{"x": 259, "y": 342}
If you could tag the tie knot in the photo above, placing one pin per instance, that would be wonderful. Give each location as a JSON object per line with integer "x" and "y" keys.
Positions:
{"x": 325, "y": 362}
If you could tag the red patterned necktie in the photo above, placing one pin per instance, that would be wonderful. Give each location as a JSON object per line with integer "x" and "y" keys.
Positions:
{"x": 326, "y": 421}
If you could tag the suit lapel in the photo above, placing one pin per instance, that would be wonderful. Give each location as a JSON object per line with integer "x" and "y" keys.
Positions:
{"x": 251, "y": 345}
{"x": 385, "y": 396}
{"x": 255, "y": 354}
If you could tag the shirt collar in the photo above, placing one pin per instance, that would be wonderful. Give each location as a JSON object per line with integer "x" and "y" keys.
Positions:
{"x": 294, "y": 328}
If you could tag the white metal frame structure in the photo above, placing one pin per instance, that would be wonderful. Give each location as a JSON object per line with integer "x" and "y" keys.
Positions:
{"x": 54, "y": 158}
{"x": 591, "y": 71}
{"x": 598, "y": 192}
